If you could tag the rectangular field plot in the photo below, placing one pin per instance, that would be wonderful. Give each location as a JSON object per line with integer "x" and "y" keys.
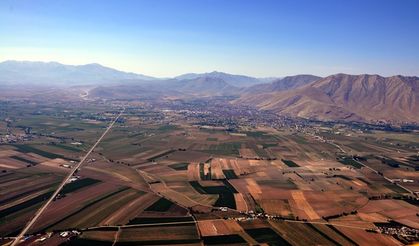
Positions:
{"x": 25, "y": 148}
{"x": 290, "y": 163}
{"x": 179, "y": 166}
{"x": 155, "y": 220}
{"x": 225, "y": 194}
{"x": 350, "y": 162}
{"x": 266, "y": 235}
{"x": 230, "y": 174}
{"x": 160, "y": 205}
{"x": 163, "y": 235}
{"x": 224, "y": 240}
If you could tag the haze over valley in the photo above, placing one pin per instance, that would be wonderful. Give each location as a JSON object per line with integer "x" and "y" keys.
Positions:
{"x": 345, "y": 97}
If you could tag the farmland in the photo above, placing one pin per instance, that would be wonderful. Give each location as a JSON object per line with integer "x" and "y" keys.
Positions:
{"x": 161, "y": 178}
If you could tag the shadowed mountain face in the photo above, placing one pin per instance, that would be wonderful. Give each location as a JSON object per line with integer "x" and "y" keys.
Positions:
{"x": 346, "y": 97}
{"x": 53, "y": 73}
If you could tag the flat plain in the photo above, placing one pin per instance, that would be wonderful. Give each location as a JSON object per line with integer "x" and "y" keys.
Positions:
{"x": 161, "y": 178}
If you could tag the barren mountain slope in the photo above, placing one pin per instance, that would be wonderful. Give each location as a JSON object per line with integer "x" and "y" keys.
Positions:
{"x": 347, "y": 97}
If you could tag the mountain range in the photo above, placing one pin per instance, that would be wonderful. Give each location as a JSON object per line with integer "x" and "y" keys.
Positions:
{"x": 347, "y": 97}
{"x": 54, "y": 73}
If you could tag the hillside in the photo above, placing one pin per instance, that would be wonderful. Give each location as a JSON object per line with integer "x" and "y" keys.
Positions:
{"x": 286, "y": 83}
{"x": 346, "y": 97}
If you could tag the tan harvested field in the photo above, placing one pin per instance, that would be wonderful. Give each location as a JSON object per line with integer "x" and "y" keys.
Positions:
{"x": 218, "y": 227}
{"x": 216, "y": 169}
{"x": 301, "y": 206}
{"x": 193, "y": 172}
{"x": 241, "y": 204}
{"x": 279, "y": 207}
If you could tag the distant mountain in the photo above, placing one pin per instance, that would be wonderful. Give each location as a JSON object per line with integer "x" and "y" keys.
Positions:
{"x": 24, "y": 72}
{"x": 286, "y": 83}
{"x": 346, "y": 97}
{"x": 205, "y": 86}
{"x": 234, "y": 80}
{"x": 200, "y": 86}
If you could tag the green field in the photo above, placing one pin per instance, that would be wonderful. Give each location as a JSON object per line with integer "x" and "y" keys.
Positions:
{"x": 289, "y": 163}
{"x": 179, "y": 166}
{"x": 160, "y": 205}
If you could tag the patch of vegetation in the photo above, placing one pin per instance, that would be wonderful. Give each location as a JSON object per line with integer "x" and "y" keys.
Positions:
{"x": 223, "y": 239}
{"x": 154, "y": 158}
{"x": 299, "y": 140}
{"x": 24, "y": 148}
{"x": 390, "y": 162}
{"x": 266, "y": 235}
{"x": 225, "y": 149}
{"x": 167, "y": 128}
{"x": 258, "y": 134}
{"x": 153, "y": 220}
{"x": 348, "y": 161}
{"x": 78, "y": 184}
{"x": 179, "y": 166}
{"x": 225, "y": 194}
{"x": 230, "y": 174}
{"x": 290, "y": 163}
{"x": 212, "y": 139}
{"x": 161, "y": 205}
{"x": 24, "y": 160}
{"x": 268, "y": 145}
{"x": 342, "y": 177}
{"x": 65, "y": 147}
{"x": 364, "y": 180}
{"x": 395, "y": 188}
{"x": 281, "y": 184}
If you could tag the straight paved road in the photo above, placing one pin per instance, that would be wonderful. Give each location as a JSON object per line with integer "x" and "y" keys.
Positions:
{"x": 57, "y": 191}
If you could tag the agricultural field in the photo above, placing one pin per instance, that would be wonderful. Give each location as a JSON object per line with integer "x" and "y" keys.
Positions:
{"x": 162, "y": 179}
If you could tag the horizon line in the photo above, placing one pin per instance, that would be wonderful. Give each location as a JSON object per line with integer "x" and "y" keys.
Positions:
{"x": 205, "y": 72}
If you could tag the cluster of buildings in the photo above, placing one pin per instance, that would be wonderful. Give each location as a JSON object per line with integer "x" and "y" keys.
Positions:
{"x": 14, "y": 138}
{"x": 403, "y": 233}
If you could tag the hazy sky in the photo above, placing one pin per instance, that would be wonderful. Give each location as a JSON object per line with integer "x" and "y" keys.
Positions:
{"x": 258, "y": 38}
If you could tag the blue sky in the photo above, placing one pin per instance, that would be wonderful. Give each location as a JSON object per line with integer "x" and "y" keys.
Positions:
{"x": 258, "y": 38}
